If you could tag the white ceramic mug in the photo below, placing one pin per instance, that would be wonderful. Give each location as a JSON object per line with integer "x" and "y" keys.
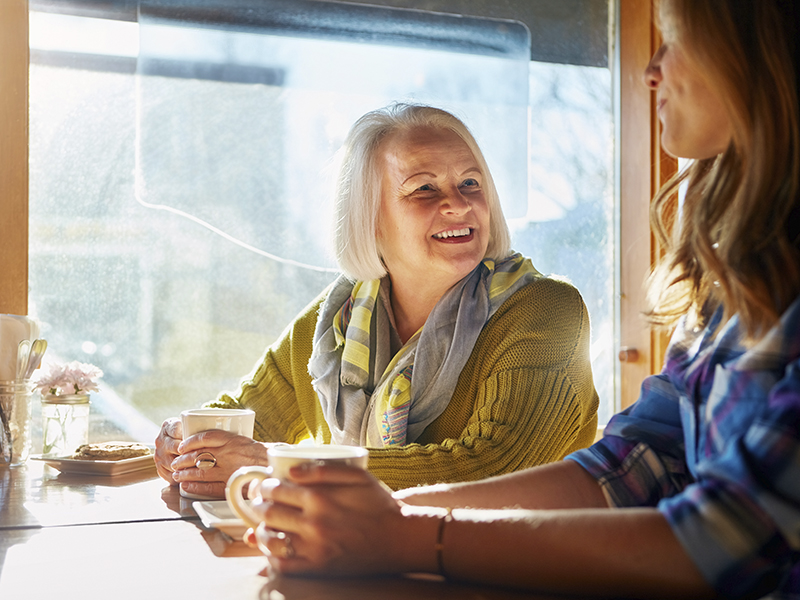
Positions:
{"x": 239, "y": 421}
{"x": 236, "y": 420}
{"x": 281, "y": 458}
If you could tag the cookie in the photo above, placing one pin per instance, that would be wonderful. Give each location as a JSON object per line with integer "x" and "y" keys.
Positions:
{"x": 111, "y": 451}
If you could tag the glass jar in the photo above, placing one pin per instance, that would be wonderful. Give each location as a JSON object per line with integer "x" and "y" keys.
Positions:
{"x": 65, "y": 423}
{"x": 15, "y": 422}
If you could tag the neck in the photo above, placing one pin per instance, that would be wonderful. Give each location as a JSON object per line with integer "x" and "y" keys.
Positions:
{"x": 411, "y": 305}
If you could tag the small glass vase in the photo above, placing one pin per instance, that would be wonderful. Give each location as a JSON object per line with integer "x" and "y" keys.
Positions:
{"x": 65, "y": 423}
{"x": 15, "y": 422}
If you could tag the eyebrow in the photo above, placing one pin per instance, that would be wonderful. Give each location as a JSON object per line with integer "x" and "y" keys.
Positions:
{"x": 470, "y": 170}
{"x": 418, "y": 174}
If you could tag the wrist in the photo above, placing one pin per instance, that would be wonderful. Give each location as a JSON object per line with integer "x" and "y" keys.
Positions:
{"x": 424, "y": 528}
{"x": 439, "y": 545}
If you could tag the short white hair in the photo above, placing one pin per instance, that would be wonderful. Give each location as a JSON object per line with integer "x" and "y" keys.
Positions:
{"x": 358, "y": 189}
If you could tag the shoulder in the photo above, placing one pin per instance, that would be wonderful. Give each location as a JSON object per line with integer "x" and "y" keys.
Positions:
{"x": 545, "y": 322}
{"x": 546, "y": 298}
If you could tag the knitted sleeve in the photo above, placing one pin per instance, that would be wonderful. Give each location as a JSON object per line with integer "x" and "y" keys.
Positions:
{"x": 279, "y": 388}
{"x": 525, "y": 397}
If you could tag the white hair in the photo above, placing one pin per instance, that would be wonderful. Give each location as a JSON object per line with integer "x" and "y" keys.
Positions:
{"x": 358, "y": 189}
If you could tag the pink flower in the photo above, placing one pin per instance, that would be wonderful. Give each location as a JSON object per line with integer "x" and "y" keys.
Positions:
{"x": 69, "y": 378}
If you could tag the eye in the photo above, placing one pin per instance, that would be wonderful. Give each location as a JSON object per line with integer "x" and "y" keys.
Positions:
{"x": 470, "y": 183}
{"x": 425, "y": 188}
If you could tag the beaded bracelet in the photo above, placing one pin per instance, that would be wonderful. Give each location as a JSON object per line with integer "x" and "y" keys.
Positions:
{"x": 439, "y": 546}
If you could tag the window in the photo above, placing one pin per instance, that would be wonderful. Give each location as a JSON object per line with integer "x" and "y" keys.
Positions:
{"x": 179, "y": 175}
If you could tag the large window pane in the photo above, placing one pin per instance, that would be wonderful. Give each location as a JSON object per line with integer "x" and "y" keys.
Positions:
{"x": 180, "y": 193}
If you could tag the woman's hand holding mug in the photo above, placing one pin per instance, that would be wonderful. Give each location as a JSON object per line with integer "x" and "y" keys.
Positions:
{"x": 281, "y": 459}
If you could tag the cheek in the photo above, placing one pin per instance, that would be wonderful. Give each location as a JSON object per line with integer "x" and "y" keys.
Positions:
{"x": 485, "y": 219}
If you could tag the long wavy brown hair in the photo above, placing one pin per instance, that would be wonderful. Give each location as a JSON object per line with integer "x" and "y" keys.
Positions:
{"x": 734, "y": 240}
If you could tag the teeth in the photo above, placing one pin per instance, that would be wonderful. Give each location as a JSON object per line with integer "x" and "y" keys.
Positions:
{"x": 453, "y": 233}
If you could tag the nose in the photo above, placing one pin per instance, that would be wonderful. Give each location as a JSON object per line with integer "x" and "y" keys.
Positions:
{"x": 652, "y": 74}
{"x": 455, "y": 203}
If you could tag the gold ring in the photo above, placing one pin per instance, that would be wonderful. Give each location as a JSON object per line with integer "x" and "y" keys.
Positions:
{"x": 205, "y": 463}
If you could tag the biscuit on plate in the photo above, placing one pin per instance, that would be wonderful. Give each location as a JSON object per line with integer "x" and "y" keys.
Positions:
{"x": 111, "y": 451}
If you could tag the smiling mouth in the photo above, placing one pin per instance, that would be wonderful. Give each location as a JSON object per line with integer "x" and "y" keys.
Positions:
{"x": 453, "y": 233}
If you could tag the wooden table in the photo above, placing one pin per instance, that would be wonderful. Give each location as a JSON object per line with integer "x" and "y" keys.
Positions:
{"x": 134, "y": 537}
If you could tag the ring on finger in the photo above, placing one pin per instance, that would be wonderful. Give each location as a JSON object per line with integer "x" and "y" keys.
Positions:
{"x": 205, "y": 461}
{"x": 288, "y": 550}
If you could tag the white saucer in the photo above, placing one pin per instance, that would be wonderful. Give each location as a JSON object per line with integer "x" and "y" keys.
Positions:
{"x": 216, "y": 514}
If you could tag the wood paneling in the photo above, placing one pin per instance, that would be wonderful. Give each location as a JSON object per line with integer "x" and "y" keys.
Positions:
{"x": 14, "y": 156}
{"x": 644, "y": 168}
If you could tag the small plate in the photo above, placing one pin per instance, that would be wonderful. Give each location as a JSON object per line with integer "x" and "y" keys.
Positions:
{"x": 217, "y": 514}
{"x": 108, "y": 468}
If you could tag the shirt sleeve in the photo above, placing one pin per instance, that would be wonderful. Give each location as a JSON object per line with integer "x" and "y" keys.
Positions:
{"x": 740, "y": 521}
{"x": 738, "y": 518}
{"x": 640, "y": 459}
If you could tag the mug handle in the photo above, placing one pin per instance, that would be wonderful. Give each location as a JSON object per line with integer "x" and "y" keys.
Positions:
{"x": 233, "y": 492}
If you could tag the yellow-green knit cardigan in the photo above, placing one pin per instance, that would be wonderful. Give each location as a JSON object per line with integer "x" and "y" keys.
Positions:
{"x": 524, "y": 398}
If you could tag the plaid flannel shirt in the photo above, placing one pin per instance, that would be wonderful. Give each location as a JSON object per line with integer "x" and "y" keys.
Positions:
{"x": 714, "y": 443}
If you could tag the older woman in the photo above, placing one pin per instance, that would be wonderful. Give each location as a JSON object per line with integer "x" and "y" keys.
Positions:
{"x": 448, "y": 356}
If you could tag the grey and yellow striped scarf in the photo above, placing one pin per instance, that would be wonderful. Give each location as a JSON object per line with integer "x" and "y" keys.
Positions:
{"x": 373, "y": 399}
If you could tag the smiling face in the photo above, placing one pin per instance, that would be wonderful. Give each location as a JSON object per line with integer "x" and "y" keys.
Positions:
{"x": 433, "y": 227}
{"x": 695, "y": 121}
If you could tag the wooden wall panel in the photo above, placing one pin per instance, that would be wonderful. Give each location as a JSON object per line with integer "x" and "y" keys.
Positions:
{"x": 14, "y": 156}
{"x": 644, "y": 168}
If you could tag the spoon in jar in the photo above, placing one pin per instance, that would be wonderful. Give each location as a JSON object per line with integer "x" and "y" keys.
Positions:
{"x": 23, "y": 354}
{"x": 35, "y": 360}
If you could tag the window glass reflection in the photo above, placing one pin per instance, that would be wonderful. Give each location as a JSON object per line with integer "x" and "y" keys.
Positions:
{"x": 159, "y": 198}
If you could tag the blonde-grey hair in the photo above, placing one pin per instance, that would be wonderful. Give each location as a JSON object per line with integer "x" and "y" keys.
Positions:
{"x": 358, "y": 189}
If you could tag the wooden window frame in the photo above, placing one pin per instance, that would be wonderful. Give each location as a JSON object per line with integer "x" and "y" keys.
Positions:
{"x": 643, "y": 168}
{"x": 14, "y": 157}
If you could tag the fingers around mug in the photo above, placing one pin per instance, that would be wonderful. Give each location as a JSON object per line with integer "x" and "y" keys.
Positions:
{"x": 203, "y": 459}
{"x": 282, "y": 492}
{"x": 173, "y": 428}
{"x": 276, "y": 543}
{"x": 185, "y": 461}
{"x": 212, "y": 438}
{"x": 166, "y": 448}
{"x": 165, "y": 474}
{"x": 249, "y": 538}
{"x": 234, "y": 492}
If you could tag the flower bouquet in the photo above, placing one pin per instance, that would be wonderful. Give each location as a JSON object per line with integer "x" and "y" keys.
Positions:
{"x": 69, "y": 378}
{"x": 65, "y": 405}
